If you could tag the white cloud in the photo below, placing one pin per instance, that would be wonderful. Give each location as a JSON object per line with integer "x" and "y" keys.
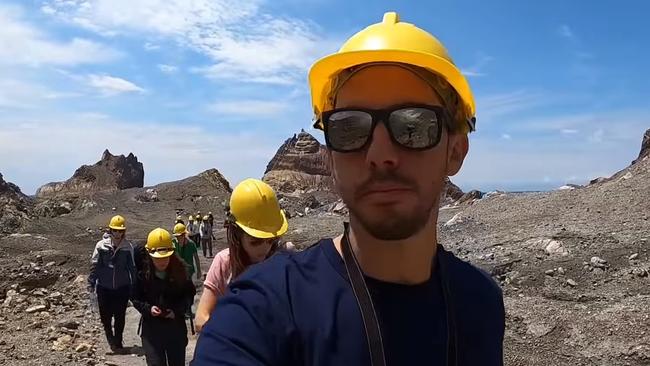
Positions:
{"x": 81, "y": 138}
{"x": 593, "y": 127}
{"x": 597, "y": 136}
{"x": 167, "y": 69}
{"x": 25, "y": 94}
{"x": 476, "y": 70}
{"x": 505, "y": 136}
{"x": 25, "y": 44}
{"x": 601, "y": 148}
{"x": 244, "y": 42}
{"x": 489, "y": 108}
{"x": 566, "y": 32}
{"x": 151, "y": 47}
{"x": 110, "y": 85}
{"x": 249, "y": 108}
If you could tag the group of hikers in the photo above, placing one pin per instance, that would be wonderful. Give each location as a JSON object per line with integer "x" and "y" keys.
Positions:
{"x": 199, "y": 229}
{"x": 396, "y": 113}
{"x": 157, "y": 277}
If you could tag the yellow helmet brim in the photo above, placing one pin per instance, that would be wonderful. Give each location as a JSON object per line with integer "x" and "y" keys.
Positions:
{"x": 322, "y": 73}
{"x": 266, "y": 234}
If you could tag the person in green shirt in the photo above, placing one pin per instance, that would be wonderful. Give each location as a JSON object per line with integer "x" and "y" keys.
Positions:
{"x": 187, "y": 251}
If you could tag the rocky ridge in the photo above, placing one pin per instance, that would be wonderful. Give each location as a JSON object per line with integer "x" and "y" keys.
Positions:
{"x": 110, "y": 173}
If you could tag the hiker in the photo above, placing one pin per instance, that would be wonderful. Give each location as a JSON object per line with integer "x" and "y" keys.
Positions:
{"x": 112, "y": 275}
{"x": 187, "y": 250}
{"x": 211, "y": 218}
{"x": 161, "y": 297}
{"x": 193, "y": 229}
{"x": 205, "y": 230}
{"x": 254, "y": 224}
{"x": 396, "y": 113}
{"x": 179, "y": 220}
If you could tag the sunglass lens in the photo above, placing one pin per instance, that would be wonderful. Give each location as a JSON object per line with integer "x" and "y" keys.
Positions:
{"x": 348, "y": 130}
{"x": 415, "y": 128}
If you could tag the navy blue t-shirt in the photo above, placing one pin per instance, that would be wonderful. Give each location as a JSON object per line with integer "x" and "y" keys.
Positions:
{"x": 299, "y": 309}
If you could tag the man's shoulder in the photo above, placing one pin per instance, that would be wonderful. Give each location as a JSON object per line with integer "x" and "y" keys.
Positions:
{"x": 287, "y": 266}
{"x": 103, "y": 244}
{"x": 471, "y": 280}
{"x": 223, "y": 254}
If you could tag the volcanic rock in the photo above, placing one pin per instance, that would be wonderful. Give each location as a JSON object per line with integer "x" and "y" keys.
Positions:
{"x": 110, "y": 173}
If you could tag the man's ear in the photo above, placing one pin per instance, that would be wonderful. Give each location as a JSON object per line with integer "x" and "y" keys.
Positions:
{"x": 456, "y": 152}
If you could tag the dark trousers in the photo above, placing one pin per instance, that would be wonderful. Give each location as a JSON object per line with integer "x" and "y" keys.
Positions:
{"x": 165, "y": 346}
{"x": 196, "y": 239}
{"x": 112, "y": 305}
{"x": 206, "y": 245}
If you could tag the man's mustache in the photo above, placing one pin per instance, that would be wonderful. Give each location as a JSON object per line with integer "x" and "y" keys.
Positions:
{"x": 379, "y": 179}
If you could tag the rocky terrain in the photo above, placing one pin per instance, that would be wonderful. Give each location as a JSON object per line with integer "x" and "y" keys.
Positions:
{"x": 110, "y": 173}
{"x": 574, "y": 264}
{"x": 14, "y": 207}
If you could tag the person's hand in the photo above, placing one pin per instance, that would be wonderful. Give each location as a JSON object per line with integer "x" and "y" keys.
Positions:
{"x": 155, "y": 311}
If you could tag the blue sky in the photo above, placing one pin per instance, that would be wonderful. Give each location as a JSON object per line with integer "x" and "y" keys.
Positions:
{"x": 561, "y": 86}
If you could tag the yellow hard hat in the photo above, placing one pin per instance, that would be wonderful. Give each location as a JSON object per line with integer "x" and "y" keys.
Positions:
{"x": 206, "y": 218}
{"x": 159, "y": 243}
{"x": 388, "y": 41}
{"x": 256, "y": 210}
{"x": 117, "y": 223}
{"x": 179, "y": 229}
{"x": 191, "y": 218}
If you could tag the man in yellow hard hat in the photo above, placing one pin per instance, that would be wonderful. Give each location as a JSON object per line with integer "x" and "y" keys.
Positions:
{"x": 187, "y": 250}
{"x": 396, "y": 112}
{"x": 193, "y": 230}
{"x": 112, "y": 275}
{"x": 179, "y": 220}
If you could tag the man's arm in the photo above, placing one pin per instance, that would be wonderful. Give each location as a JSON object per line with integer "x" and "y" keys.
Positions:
{"x": 249, "y": 326}
{"x": 92, "y": 276}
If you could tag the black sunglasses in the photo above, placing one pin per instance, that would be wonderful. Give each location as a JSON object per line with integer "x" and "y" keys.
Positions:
{"x": 415, "y": 127}
{"x": 161, "y": 250}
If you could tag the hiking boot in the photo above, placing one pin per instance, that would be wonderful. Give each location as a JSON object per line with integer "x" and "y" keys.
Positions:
{"x": 118, "y": 349}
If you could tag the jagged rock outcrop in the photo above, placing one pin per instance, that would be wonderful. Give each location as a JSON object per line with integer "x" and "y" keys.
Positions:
{"x": 645, "y": 147}
{"x": 626, "y": 173}
{"x": 301, "y": 163}
{"x": 14, "y": 207}
{"x": 450, "y": 194}
{"x": 110, "y": 173}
